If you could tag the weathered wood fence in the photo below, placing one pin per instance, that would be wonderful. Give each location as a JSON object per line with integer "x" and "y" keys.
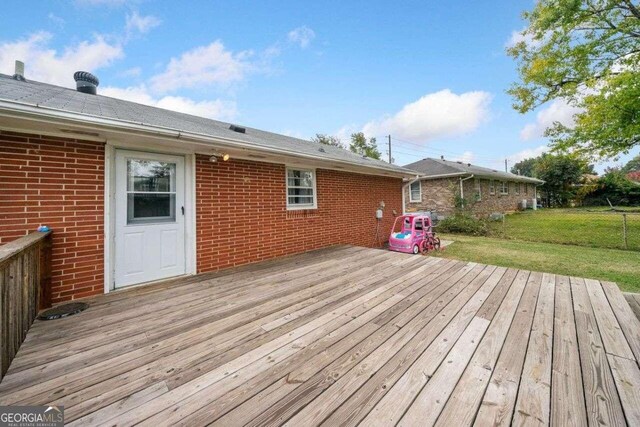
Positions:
{"x": 25, "y": 288}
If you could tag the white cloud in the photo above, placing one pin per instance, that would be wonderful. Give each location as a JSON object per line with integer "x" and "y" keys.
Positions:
{"x": 216, "y": 109}
{"x": 528, "y": 153}
{"x": 466, "y": 157}
{"x": 45, "y": 64}
{"x": 522, "y": 35}
{"x": 514, "y": 158}
{"x": 56, "y": 20}
{"x": 205, "y": 65}
{"x": 101, "y": 2}
{"x": 302, "y": 36}
{"x": 557, "y": 111}
{"x": 344, "y": 133}
{"x": 440, "y": 114}
{"x": 137, "y": 23}
{"x": 132, "y": 72}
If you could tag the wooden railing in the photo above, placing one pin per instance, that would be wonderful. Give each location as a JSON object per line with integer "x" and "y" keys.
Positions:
{"x": 25, "y": 288}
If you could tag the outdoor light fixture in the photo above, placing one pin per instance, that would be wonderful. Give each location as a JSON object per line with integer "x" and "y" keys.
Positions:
{"x": 216, "y": 156}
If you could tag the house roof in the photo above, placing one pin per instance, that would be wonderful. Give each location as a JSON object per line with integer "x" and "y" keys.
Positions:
{"x": 50, "y": 99}
{"x": 436, "y": 168}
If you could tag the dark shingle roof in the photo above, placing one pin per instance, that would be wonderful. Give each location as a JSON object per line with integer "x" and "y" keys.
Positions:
{"x": 434, "y": 167}
{"x": 69, "y": 100}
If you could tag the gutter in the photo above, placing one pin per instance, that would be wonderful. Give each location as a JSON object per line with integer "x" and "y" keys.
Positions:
{"x": 444, "y": 175}
{"x": 23, "y": 110}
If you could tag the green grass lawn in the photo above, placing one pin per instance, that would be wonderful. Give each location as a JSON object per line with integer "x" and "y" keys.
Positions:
{"x": 622, "y": 267}
{"x": 573, "y": 227}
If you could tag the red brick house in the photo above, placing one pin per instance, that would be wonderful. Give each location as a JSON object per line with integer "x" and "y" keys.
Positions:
{"x": 484, "y": 191}
{"x": 135, "y": 194}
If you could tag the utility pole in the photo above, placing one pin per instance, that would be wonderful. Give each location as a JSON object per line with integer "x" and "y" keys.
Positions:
{"x": 506, "y": 166}
{"x": 390, "y": 158}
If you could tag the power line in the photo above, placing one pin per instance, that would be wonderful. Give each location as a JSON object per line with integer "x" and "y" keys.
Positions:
{"x": 426, "y": 149}
{"x": 423, "y": 151}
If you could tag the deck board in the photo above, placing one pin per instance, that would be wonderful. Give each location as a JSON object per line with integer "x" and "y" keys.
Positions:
{"x": 341, "y": 336}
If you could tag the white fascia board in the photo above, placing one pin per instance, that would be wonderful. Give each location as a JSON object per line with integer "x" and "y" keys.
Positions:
{"x": 444, "y": 175}
{"x": 49, "y": 115}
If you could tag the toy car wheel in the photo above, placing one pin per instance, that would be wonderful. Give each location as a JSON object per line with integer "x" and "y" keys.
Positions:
{"x": 416, "y": 249}
{"x": 436, "y": 243}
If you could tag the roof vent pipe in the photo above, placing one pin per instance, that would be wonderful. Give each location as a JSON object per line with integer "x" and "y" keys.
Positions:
{"x": 19, "y": 71}
{"x": 238, "y": 129}
{"x": 86, "y": 82}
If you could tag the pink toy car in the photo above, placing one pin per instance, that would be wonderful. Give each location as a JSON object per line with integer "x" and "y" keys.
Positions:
{"x": 413, "y": 233}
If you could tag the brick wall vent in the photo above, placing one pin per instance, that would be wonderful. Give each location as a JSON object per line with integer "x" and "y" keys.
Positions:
{"x": 302, "y": 214}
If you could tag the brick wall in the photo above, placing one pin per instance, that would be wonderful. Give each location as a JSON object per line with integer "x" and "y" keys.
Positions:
{"x": 241, "y": 213}
{"x": 58, "y": 182}
{"x": 491, "y": 203}
{"x": 242, "y": 217}
{"x": 439, "y": 195}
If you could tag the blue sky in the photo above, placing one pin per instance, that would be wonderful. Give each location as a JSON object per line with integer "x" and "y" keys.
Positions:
{"x": 432, "y": 74}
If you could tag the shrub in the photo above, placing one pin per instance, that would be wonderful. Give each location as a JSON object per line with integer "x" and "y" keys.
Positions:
{"x": 464, "y": 224}
{"x": 616, "y": 187}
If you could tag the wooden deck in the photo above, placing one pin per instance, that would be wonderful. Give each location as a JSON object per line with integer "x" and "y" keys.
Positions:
{"x": 342, "y": 336}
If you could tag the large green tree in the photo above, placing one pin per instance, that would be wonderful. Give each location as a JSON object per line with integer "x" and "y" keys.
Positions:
{"x": 585, "y": 53}
{"x": 525, "y": 167}
{"x": 562, "y": 175}
{"x": 360, "y": 145}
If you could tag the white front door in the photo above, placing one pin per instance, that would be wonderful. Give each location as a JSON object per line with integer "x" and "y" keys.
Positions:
{"x": 149, "y": 223}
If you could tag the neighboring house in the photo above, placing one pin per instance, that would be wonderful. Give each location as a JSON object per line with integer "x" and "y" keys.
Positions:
{"x": 634, "y": 176}
{"x": 483, "y": 190}
{"x": 135, "y": 193}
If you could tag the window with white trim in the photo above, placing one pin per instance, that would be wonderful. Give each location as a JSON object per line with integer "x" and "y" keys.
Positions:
{"x": 301, "y": 189}
{"x": 504, "y": 187}
{"x": 415, "y": 192}
{"x": 492, "y": 187}
{"x": 478, "y": 190}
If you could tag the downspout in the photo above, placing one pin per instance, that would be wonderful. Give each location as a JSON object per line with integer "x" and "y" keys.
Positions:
{"x": 408, "y": 184}
{"x": 462, "y": 187}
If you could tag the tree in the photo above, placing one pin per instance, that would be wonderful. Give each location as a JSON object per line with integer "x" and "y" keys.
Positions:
{"x": 360, "y": 145}
{"x": 614, "y": 187}
{"x": 525, "y": 167}
{"x": 562, "y": 174}
{"x": 327, "y": 140}
{"x": 585, "y": 53}
{"x": 632, "y": 165}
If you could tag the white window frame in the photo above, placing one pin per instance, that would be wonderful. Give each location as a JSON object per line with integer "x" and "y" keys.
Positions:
{"x": 294, "y": 207}
{"x": 419, "y": 199}
{"x": 477, "y": 189}
{"x": 503, "y": 185}
{"x": 492, "y": 187}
